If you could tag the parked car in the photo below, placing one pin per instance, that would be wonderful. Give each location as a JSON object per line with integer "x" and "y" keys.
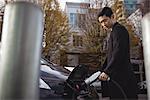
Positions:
{"x": 61, "y": 84}
{"x": 52, "y": 79}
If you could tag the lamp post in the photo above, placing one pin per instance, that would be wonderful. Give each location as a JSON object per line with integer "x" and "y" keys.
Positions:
{"x": 21, "y": 51}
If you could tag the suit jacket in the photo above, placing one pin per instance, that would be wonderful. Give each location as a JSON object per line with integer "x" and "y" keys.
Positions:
{"x": 118, "y": 66}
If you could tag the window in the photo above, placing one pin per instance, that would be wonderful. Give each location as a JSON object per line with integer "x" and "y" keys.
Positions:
{"x": 77, "y": 40}
{"x": 81, "y": 20}
{"x": 131, "y": 6}
{"x": 134, "y": 2}
{"x": 73, "y": 19}
{"x": 125, "y": 1}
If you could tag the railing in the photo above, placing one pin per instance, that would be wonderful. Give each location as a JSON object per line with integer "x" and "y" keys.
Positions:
{"x": 140, "y": 68}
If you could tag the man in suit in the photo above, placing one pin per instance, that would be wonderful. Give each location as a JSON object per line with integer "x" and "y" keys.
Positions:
{"x": 122, "y": 84}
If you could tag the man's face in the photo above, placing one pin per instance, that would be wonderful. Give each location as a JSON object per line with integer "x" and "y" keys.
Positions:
{"x": 105, "y": 21}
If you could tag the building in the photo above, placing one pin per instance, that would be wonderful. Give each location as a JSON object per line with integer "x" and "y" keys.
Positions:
{"x": 73, "y": 10}
{"x": 130, "y": 6}
{"x": 77, "y": 53}
{"x": 144, "y": 5}
{"x": 101, "y": 3}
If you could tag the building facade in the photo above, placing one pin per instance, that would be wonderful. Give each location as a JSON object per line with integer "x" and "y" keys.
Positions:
{"x": 130, "y": 6}
{"x": 80, "y": 14}
{"x": 144, "y": 5}
{"x": 73, "y": 11}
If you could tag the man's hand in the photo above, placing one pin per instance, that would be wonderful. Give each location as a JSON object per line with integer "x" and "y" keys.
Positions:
{"x": 103, "y": 76}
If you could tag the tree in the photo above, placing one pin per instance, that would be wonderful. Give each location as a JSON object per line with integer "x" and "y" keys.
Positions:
{"x": 93, "y": 34}
{"x": 56, "y": 29}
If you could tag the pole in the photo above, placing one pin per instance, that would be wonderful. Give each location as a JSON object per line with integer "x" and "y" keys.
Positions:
{"x": 21, "y": 51}
{"x": 146, "y": 48}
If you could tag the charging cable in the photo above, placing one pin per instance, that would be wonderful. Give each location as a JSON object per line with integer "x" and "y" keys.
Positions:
{"x": 95, "y": 76}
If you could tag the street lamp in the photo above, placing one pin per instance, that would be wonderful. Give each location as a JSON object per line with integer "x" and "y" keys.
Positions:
{"x": 21, "y": 51}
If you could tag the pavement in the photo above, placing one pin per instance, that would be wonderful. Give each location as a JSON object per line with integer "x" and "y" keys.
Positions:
{"x": 140, "y": 97}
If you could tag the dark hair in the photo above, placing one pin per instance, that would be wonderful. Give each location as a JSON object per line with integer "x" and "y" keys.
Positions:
{"x": 106, "y": 11}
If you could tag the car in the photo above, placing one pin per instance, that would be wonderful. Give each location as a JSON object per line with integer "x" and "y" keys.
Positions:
{"x": 58, "y": 83}
{"x": 52, "y": 79}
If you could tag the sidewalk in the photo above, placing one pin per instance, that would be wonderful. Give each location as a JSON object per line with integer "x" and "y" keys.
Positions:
{"x": 140, "y": 97}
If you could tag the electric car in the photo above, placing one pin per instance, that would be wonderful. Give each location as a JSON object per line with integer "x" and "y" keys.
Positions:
{"x": 52, "y": 78}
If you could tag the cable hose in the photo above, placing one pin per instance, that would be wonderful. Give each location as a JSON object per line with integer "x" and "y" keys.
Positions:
{"x": 95, "y": 76}
{"x": 120, "y": 88}
{"x": 71, "y": 87}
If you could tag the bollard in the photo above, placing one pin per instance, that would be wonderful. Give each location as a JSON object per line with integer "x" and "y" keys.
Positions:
{"x": 21, "y": 51}
{"x": 146, "y": 48}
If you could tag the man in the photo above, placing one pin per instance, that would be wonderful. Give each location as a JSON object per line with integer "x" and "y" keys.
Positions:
{"x": 117, "y": 67}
